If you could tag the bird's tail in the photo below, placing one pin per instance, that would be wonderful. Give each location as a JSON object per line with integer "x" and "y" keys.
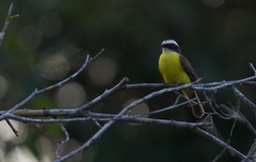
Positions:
{"x": 198, "y": 110}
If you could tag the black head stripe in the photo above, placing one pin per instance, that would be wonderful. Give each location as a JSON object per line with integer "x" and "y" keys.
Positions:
{"x": 171, "y": 45}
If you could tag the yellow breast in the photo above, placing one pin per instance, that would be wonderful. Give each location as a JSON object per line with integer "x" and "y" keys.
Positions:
{"x": 171, "y": 68}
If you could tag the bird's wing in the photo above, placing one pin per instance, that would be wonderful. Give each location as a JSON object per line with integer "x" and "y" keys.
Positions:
{"x": 188, "y": 68}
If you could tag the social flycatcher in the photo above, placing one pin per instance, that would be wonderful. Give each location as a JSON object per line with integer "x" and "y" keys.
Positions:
{"x": 176, "y": 69}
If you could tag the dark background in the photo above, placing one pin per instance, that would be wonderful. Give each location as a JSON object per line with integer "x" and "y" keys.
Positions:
{"x": 50, "y": 40}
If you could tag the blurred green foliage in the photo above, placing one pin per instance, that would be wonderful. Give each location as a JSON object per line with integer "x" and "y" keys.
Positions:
{"x": 218, "y": 37}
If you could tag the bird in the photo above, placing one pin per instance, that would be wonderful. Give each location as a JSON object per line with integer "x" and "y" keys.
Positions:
{"x": 176, "y": 69}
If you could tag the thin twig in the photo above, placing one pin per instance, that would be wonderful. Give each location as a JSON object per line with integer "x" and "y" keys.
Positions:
{"x": 221, "y": 143}
{"x": 220, "y": 154}
{"x": 250, "y": 152}
{"x": 224, "y": 84}
{"x": 36, "y": 91}
{"x": 2, "y": 34}
{"x": 252, "y": 67}
{"x": 12, "y": 127}
{"x": 108, "y": 117}
{"x": 59, "y": 84}
{"x": 104, "y": 95}
{"x": 124, "y": 111}
{"x": 244, "y": 98}
{"x": 98, "y": 54}
{"x": 228, "y": 142}
{"x": 171, "y": 107}
{"x": 83, "y": 114}
{"x": 9, "y": 17}
{"x": 17, "y": 106}
{"x": 62, "y": 141}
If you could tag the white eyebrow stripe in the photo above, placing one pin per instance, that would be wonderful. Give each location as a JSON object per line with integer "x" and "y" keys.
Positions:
{"x": 170, "y": 41}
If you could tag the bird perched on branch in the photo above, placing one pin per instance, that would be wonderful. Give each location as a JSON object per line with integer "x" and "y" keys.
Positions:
{"x": 176, "y": 69}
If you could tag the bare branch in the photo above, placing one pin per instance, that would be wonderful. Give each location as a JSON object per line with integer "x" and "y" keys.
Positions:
{"x": 250, "y": 153}
{"x": 36, "y": 92}
{"x": 123, "y": 112}
{"x": 59, "y": 84}
{"x": 173, "y": 106}
{"x": 253, "y": 68}
{"x": 62, "y": 141}
{"x": 9, "y": 17}
{"x": 106, "y": 94}
{"x": 98, "y": 54}
{"x": 12, "y": 127}
{"x": 223, "y": 144}
{"x": 209, "y": 87}
{"x": 220, "y": 154}
{"x": 244, "y": 98}
{"x": 17, "y": 106}
{"x": 225, "y": 111}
